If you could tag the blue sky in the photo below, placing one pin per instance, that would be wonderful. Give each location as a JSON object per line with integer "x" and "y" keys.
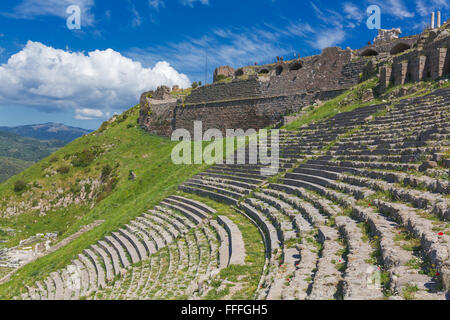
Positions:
{"x": 82, "y": 77}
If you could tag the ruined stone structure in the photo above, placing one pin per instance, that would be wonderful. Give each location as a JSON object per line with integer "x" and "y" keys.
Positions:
{"x": 429, "y": 61}
{"x": 387, "y": 35}
{"x": 258, "y": 96}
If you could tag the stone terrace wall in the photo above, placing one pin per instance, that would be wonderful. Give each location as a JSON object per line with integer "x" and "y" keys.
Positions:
{"x": 244, "y": 114}
{"x": 237, "y": 89}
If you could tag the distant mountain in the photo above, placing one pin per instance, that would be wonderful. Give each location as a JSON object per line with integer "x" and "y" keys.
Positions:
{"x": 47, "y": 131}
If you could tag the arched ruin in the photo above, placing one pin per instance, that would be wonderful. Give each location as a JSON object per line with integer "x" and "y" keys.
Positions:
{"x": 279, "y": 70}
{"x": 400, "y": 47}
{"x": 369, "y": 53}
{"x": 295, "y": 66}
{"x": 239, "y": 73}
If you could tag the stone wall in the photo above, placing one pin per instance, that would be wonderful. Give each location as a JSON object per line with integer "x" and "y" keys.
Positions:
{"x": 255, "y": 113}
{"x": 237, "y": 89}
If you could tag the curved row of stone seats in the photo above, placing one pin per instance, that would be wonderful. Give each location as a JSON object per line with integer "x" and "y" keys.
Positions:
{"x": 360, "y": 181}
{"x": 277, "y": 227}
{"x": 186, "y": 266}
{"x": 237, "y": 247}
{"x": 354, "y": 267}
{"x": 92, "y": 272}
{"x": 334, "y": 192}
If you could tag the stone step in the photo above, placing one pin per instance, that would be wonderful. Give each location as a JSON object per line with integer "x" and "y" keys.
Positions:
{"x": 80, "y": 276}
{"x": 147, "y": 228}
{"x": 224, "y": 249}
{"x": 212, "y": 183}
{"x": 50, "y": 288}
{"x": 236, "y": 245}
{"x": 189, "y": 214}
{"x": 289, "y": 204}
{"x": 202, "y": 212}
{"x": 434, "y": 246}
{"x": 128, "y": 246}
{"x": 284, "y": 227}
{"x": 100, "y": 272}
{"x": 177, "y": 220}
{"x": 149, "y": 243}
{"x": 136, "y": 243}
{"x": 270, "y": 232}
{"x": 42, "y": 291}
{"x": 311, "y": 176}
{"x": 114, "y": 256}
{"x": 90, "y": 268}
{"x": 209, "y": 194}
{"x": 121, "y": 251}
{"x": 227, "y": 192}
{"x": 229, "y": 177}
{"x": 105, "y": 260}
{"x": 327, "y": 277}
{"x": 361, "y": 279}
{"x": 162, "y": 223}
{"x": 59, "y": 285}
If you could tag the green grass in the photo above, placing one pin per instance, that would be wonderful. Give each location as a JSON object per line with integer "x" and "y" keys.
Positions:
{"x": 409, "y": 292}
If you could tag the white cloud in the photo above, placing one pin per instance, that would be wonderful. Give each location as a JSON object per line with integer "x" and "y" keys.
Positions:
{"x": 234, "y": 47}
{"x": 425, "y": 8}
{"x": 90, "y": 114}
{"x": 353, "y": 12}
{"x": 156, "y": 4}
{"x": 327, "y": 38}
{"x": 395, "y": 8}
{"x": 50, "y": 80}
{"x": 191, "y": 3}
{"x": 29, "y": 9}
{"x": 137, "y": 19}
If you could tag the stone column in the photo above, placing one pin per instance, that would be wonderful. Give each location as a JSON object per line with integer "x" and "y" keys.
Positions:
{"x": 432, "y": 20}
{"x": 438, "y": 19}
{"x": 385, "y": 77}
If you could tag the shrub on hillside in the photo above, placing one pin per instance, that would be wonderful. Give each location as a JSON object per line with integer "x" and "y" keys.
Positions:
{"x": 63, "y": 170}
{"x": 221, "y": 77}
{"x": 19, "y": 186}
{"x": 83, "y": 159}
{"x": 106, "y": 171}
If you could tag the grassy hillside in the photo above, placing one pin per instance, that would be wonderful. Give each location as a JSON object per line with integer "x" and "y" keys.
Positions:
{"x": 85, "y": 181}
{"x": 10, "y": 167}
